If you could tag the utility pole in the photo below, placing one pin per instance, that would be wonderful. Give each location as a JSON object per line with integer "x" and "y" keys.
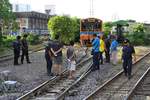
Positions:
{"x": 91, "y": 8}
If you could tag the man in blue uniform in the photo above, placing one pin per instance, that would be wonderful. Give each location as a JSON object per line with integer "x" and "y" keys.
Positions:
{"x": 25, "y": 49}
{"x": 95, "y": 51}
{"x": 127, "y": 52}
{"x": 16, "y": 47}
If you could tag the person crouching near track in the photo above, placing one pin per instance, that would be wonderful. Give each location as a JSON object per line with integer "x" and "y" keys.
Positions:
{"x": 127, "y": 52}
{"x": 71, "y": 60}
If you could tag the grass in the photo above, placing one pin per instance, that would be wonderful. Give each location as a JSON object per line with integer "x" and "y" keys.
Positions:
{"x": 139, "y": 50}
{"x": 5, "y": 51}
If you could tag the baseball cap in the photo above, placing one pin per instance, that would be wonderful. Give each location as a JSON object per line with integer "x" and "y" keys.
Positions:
{"x": 126, "y": 41}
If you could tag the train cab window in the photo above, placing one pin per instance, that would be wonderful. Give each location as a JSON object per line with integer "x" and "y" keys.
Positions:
{"x": 91, "y": 25}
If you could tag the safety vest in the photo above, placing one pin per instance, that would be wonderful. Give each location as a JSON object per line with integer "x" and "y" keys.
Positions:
{"x": 102, "y": 46}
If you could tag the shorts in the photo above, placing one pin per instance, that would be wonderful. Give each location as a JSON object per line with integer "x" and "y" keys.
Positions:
{"x": 72, "y": 65}
{"x": 58, "y": 60}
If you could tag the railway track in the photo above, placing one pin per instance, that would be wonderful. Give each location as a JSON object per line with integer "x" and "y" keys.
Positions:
{"x": 119, "y": 87}
{"x": 11, "y": 56}
{"x": 141, "y": 89}
{"x": 57, "y": 85}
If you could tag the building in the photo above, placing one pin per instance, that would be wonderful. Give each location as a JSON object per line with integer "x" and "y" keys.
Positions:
{"x": 33, "y": 22}
{"x": 21, "y": 7}
{"x": 50, "y": 9}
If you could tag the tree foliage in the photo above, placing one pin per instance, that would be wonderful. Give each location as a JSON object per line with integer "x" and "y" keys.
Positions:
{"x": 64, "y": 26}
{"x": 76, "y": 25}
{"x": 121, "y": 22}
{"x": 6, "y": 16}
{"x": 107, "y": 27}
{"x": 5, "y": 9}
{"x": 137, "y": 35}
{"x": 138, "y": 28}
{"x": 33, "y": 38}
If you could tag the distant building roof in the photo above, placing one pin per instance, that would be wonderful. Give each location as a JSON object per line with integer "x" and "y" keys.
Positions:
{"x": 31, "y": 14}
{"x": 21, "y": 7}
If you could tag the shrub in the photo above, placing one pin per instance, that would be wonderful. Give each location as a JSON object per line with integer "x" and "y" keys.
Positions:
{"x": 33, "y": 39}
{"x": 139, "y": 38}
{"x": 7, "y": 41}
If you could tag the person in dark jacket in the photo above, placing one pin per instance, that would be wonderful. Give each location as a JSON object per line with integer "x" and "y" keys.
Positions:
{"x": 16, "y": 47}
{"x": 24, "y": 44}
{"x": 56, "y": 49}
{"x": 127, "y": 52}
{"x": 107, "y": 51}
{"x": 48, "y": 57}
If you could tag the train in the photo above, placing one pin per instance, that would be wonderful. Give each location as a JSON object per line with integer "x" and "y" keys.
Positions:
{"x": 88, "y": 27}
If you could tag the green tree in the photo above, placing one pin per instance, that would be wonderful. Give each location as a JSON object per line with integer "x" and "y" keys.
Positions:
{"x": 6, "y": 16}
{"x": 15, "y": 26}
{"x": 107, "y": 27}
{"x": 76, "y": 22}
{"x": 33, "y": 38}
{"x": 138, "y": 28}
{"x": 64, "y": 26}
{"x": 138, "y": 35}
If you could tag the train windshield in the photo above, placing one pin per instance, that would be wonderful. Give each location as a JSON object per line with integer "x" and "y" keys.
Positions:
{"x": 90, "y": 25}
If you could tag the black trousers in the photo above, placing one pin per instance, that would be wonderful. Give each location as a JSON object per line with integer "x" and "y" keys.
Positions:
{"x": 16, "y": 56}
{"x": 101, "y": 57}
{"x": 95, "y": 65}
{"x": 107, "y": 55}
{"x": 127, "y": 66}
{"x": 25, "y": 53}
{"x": 48, "y": 64}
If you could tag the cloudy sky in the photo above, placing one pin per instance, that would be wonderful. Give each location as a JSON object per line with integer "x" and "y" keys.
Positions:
{"x": 107, "y": 10}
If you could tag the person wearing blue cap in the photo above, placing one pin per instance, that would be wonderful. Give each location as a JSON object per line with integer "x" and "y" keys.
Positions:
{"x": 127, "y": 52}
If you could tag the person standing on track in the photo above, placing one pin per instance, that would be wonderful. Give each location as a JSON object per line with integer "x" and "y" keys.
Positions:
{"x": 113, "y": 50}
{"x": 48, "y": 57}
{"x": 127, "y": 52}
{"x": 107, "y": 55}
{"x": 102, "y": 48}
{"x": 25, "y": 49}
{"x": 95, "y": 52}
{"x": 57, "y": 51}
{"x": 16, "y": 47}
{"x": 71, "y": 60}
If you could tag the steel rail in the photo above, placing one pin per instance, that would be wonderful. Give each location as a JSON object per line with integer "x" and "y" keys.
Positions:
{"x": 60, "y": 97}
{"x": 6, "y": 56}
{"x": 136, "y": 85}
{"x": 34, "y": 49}
{"x": 111, "y": 79}
{"x": 46, "y": 83}
{"x": 40, "y": 87}
{"x": 9, "y": 57}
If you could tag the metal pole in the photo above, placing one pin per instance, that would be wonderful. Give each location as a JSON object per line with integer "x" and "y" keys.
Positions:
{"x": 91, "y": 8}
